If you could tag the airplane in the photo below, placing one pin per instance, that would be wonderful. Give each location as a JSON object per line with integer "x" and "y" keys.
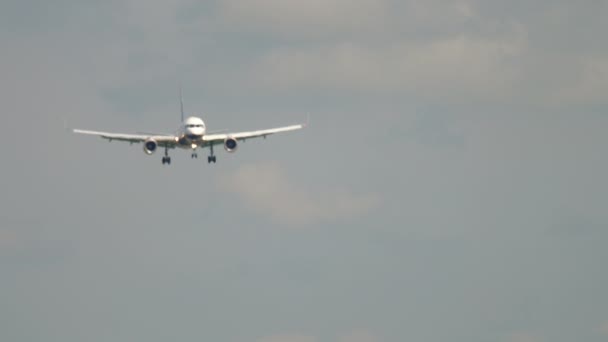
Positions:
{"x": 191, "y": 134}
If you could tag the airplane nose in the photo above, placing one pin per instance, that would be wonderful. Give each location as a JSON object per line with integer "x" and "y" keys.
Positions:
{"x": 194, "y": 133}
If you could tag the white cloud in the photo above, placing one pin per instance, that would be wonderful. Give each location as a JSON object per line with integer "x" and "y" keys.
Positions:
{"x": 432, "y": 50}
{"x": 266, "y": 189}
{"x": 358, "y": 336}
{"x": 590, "y": 84}
{"x": 7, "y": 238}
{"x": 429, "y": 50}
{"x": 287, "y": 338}
{"x": 603, "y": 329}
{"x": 452, "y": 67}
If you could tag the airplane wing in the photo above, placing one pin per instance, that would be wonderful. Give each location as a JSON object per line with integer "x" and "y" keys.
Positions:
{"x": 162, "y": 140}
{"x": 216, "y": 138}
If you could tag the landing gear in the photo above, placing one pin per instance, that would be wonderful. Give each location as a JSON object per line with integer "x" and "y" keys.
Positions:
{"x": 211, "y": 157}
{"x": 166, "y": 158}
{"x": 194, "y": 155}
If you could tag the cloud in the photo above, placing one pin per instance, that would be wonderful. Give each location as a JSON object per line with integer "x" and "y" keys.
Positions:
{"x": 7, "y": 238}
{"x": 358, "y": 336}
{"x": 287, "y": 338}
{"x": 464, "y": 51}
{"x": 590, "y": 85}
{"x": 603, "y": 329}
{"x": 267, "y": 190}
{"x": 449, "y": 67}
{"x": 418, "y": 47}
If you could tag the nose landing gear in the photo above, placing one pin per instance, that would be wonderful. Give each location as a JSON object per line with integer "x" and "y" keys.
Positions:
{"x": 194, "y": 154}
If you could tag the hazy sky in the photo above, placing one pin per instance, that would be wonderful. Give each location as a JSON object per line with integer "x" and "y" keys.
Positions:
{"x": 452, "y": 185}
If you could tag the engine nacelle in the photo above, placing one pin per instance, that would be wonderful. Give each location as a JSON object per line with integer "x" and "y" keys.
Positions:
{"x": 230, "y": 144}
{"x": 150, "y": 146}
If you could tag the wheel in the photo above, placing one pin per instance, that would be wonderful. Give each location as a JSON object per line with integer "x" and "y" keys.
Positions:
{"x": 169, "y": 160}
{"x": 214, "y": 159}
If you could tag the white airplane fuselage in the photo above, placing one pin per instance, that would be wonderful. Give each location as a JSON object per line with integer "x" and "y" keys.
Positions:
{"x": 191, "y": 132}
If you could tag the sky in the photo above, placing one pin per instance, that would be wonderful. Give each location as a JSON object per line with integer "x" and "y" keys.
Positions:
{"x": 450, "y": 187}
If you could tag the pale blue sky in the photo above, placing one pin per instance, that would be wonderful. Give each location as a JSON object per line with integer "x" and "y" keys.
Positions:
{"x": 451, "y": 186}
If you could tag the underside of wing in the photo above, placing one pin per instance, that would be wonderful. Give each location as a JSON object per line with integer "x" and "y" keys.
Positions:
{"x": 163, "y": 140}
{"x": 213, "y": 138}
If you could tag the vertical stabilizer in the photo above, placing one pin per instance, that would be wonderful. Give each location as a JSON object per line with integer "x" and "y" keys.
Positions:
{"x": 181, "y": 103}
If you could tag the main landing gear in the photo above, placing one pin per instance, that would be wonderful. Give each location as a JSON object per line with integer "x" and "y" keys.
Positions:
{"x": 166, "y": 158}
{"x": 211, "y": 158}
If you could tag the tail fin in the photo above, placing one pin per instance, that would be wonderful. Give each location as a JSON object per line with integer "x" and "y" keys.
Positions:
{"x": 181, "y": 103}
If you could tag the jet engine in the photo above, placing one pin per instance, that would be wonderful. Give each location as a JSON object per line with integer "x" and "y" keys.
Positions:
{"x": 230, "y": 144}
{"x": 150, "y": 146}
